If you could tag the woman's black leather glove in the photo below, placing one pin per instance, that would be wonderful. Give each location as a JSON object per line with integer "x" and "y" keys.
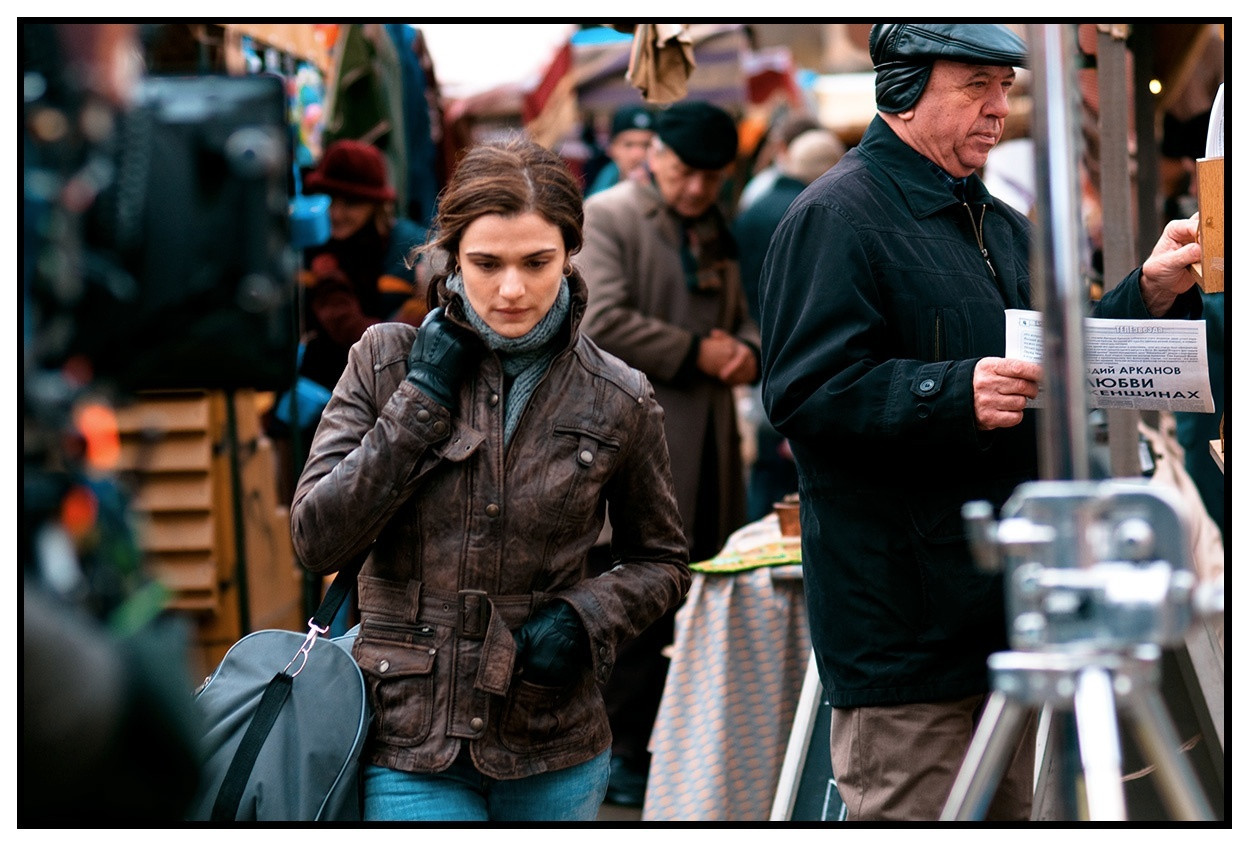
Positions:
{"x": 439, "y": 358}
{"x": 552, "y": 646}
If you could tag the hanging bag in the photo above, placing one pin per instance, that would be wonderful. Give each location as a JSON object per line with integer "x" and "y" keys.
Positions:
{"x": 285, "y": 717}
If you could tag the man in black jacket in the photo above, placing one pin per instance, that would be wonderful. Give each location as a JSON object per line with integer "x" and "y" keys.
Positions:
{"x": 882, "y": 301}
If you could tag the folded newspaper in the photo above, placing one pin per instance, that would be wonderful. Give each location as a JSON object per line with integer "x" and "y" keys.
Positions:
{"x": 1129, "y": 364}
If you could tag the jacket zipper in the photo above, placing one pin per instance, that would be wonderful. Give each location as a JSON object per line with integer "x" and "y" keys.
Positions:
{"x": 977, "y": 228}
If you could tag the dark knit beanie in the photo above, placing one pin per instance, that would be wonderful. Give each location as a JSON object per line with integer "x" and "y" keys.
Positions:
{"x": 703, "y": 136}
{"x": 903, "y": 55}
{"x": 632, "y": 117}
{"x": 352, "y": 169}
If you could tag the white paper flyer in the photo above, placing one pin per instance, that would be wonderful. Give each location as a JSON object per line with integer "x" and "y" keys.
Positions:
{"x": 1150, "y": 364}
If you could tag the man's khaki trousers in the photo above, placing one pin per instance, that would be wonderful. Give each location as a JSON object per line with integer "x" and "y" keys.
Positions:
{"x": 898, "y": 763}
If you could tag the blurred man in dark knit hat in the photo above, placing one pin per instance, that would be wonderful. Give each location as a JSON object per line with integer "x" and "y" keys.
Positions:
{"x": 666, "y": 296}
{"x": 882, "y": 305}
{"x": 633, "y": 127}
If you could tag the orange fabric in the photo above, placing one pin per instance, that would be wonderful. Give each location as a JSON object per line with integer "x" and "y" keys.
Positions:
{"x": 388, "y": 284}
{"x": 412, "y": 312}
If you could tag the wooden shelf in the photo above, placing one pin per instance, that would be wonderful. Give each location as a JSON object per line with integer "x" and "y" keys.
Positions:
{"x": 175, "y": 451}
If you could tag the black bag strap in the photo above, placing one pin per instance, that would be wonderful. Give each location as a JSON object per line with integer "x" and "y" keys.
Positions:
{"x": 344, "y": 582}
{"x": 226, "y": 806}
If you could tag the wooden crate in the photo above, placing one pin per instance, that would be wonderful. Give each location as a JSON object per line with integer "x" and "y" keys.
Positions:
{"x": 179, "y": 459}
{"x": 166, "y": 455}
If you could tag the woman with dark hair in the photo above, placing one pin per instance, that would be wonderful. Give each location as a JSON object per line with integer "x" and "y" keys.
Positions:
{"x": 479, "y": 456}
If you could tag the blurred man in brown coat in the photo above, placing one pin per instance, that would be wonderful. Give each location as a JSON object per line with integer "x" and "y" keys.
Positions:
{"x": 666, "y": 296}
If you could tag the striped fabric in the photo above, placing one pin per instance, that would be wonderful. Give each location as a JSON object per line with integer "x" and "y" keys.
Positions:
{"x": 738, "y": 659}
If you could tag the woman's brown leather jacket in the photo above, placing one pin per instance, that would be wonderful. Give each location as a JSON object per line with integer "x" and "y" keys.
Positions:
{"x": 468, "y": 538}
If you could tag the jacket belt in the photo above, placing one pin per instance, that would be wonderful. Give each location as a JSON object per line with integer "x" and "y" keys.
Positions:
{"x": 468, "y": 611}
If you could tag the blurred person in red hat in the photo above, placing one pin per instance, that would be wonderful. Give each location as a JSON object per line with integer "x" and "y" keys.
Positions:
{"x": 361, "y": 276}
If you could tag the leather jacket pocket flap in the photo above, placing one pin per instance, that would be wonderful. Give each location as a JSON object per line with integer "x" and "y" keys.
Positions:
{"x": 588, "y": 443}
{"x": 393, "y": 660}
{"x": 400, "y": 682}
{"x": 382, "y": 596}
{"x": 587, "y": 450}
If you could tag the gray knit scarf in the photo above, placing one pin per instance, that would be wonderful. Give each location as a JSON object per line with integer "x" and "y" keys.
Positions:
{"x": 524, "y": 359}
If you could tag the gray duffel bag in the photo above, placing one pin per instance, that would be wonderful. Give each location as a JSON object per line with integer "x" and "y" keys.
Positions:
{"x": 285, "y": 717}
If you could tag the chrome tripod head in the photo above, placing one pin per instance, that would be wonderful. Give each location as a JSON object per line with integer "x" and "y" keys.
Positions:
{"x": 1102, "y": 566}
{"x": 1099, "y": 579}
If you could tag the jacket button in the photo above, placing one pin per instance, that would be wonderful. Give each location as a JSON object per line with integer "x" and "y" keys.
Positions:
{"x": 476, "y": 724}
{"x": 587, "y": 457}
{"x": 603, "y": 651}
{"x": 423, "y": 415}
{"x": 492, "y": 511}
{"x": 494, "y": 400}
{"x": 922, "y": 410}
{"x": 927, "y": 385}
{"x": 384, "y": 666}
{"x": 439, "y": 427}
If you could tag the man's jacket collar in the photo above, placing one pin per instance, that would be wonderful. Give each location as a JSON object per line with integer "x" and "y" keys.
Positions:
{"x": 924, "y": 190}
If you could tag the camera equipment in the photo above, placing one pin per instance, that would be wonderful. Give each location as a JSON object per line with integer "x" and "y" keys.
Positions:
{"x": 1098, "y": 579}
{"x": 193, "y": 280}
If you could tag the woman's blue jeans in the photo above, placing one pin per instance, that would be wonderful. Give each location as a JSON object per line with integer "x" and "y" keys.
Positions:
{"x": 461, "y": 793}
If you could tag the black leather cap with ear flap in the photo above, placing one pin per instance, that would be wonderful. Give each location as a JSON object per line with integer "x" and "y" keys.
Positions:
{"x": 903, "y": 55}
{"x": 900, "y": 84}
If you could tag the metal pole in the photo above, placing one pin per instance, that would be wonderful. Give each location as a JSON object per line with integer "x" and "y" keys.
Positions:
{"x": 1118, "y": 251}
{"x": 1064, "y": 436}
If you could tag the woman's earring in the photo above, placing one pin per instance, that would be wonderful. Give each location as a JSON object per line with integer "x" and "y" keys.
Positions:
{"x": 568, "y": 270}
{"x": 456, "y": 270}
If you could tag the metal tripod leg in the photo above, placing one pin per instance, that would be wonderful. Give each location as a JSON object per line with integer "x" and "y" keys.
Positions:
{"x": 992, "y": 747}
{"x": 1093, "y": 686}
{"x": 1176, "y": 780}
{"x": 1098, "y": 739}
